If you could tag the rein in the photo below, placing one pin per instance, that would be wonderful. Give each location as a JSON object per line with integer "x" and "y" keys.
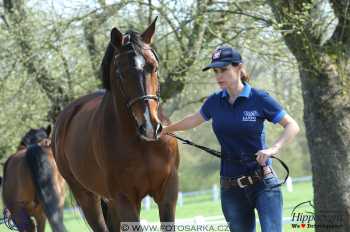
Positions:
{"x": 218, "y": 154}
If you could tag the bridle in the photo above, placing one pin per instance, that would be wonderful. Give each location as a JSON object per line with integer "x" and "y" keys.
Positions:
{"x": 145, "y": 97}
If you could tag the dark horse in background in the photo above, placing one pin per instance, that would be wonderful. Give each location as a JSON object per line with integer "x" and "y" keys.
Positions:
{"x": 32, "y": 185}
{"x": 107, "y": 145}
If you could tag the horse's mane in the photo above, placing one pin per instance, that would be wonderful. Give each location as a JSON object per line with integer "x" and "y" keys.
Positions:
{"x": 33, "y": 136}
{"x": 137, "y": 44}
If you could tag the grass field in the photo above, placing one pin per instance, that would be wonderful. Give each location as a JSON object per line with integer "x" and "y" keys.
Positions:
{"x": 198, "y": 206}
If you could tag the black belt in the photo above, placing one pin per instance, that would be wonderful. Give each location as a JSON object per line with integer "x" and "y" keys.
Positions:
{"x": 253, "y": 159}
{"x": 240, "y": 182}
{"x": 245, "y": 180}
{"x": 218, "y": 154}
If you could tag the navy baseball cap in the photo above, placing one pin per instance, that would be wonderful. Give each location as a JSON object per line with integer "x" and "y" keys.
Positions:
{"x": 224, "y": 56}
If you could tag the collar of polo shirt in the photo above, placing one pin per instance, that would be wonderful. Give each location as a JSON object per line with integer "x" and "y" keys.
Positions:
{"x": 245, "y": 92}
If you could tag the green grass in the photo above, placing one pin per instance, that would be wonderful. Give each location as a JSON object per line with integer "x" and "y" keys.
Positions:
{"x": 198, "y": 206}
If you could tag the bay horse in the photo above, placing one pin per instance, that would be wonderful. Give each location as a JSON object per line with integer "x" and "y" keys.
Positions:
{"x": 107, "y": 144}
{"x": 32, "y": 185}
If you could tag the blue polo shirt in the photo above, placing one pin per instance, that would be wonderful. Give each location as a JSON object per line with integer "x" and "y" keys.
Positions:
{"x": 239, "y": 127}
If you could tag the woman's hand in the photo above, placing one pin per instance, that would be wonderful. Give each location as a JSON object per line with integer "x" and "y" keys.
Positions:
{"x": 263, "y": 155}
{"x": 188, "y": 122}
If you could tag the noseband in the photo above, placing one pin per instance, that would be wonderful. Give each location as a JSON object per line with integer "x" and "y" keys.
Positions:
{"x": 145, "y": 97}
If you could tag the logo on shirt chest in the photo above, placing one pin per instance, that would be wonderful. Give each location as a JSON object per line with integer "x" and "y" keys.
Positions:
{"x": 250, "y": 116}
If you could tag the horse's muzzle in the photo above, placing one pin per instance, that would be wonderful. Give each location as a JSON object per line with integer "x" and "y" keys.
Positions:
{"x": 150, "y": 134}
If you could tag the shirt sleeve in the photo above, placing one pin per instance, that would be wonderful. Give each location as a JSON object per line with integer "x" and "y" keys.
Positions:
{"x": 206, "y": 109}
{"x": 272, "y": 110}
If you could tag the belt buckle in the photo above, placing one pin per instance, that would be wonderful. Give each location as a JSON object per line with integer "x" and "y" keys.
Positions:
{"x": 244, "y": 185}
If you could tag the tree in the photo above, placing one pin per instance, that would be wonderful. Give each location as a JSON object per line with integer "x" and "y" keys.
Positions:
{"x": 16, "y": 17}
{"x": 324, "y": 65}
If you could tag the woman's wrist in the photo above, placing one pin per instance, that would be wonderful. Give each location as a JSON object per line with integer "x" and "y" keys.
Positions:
{"x": 167, "y": 129}
{"x": 276, "y": 148}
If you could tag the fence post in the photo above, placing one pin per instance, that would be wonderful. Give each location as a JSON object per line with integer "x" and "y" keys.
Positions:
{"x": 199, "y": 220}
{"x": 215, "y": 192}
{"x": 289, "y": 183}
{"x": 180, "y": 199}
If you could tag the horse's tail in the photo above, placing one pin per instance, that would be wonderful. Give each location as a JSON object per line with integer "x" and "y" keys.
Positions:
{"x": 42, "y": 173}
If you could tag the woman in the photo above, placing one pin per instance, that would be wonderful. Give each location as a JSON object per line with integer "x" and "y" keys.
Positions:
{"x": 238, "y": 113}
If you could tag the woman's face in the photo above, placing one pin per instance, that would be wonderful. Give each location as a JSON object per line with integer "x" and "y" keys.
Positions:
{"x": 227, "y": 76}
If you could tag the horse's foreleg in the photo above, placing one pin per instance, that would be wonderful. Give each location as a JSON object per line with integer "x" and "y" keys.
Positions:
{"x": 166, "y": 200}
{"x": 122, "y": 209}
{"x": 90, "y": 205}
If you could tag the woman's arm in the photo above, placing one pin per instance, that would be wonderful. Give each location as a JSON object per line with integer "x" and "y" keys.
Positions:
{"x": 188, "y": 122}
{"x": 291, "y": 129}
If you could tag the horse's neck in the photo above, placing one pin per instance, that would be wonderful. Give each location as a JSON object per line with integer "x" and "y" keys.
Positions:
{"x": 116, "y": 115}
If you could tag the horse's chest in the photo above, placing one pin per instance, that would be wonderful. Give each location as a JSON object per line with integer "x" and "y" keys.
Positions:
{"x": 141, "y": 165}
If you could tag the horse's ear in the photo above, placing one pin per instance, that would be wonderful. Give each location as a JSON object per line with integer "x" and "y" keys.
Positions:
{"x": 148, "y": 34}
{"x": 116, "y": 38}
{"x": 48, "y": 130}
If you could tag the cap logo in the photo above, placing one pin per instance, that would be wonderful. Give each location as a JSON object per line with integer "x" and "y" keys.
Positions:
{"x": 216, "y": 54}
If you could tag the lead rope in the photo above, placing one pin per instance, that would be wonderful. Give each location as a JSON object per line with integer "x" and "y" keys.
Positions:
{"x": 218, "y": 154}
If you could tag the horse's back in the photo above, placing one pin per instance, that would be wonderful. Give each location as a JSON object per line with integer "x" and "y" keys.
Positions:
{"x": 17, "y": 189}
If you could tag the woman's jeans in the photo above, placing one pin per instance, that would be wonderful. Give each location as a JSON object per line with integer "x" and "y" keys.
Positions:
{"x": 238, "y": 206}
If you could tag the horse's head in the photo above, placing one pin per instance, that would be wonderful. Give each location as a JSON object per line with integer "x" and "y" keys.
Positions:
{"x": 35, "y": 136}
{"x": 133, "y": 75}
